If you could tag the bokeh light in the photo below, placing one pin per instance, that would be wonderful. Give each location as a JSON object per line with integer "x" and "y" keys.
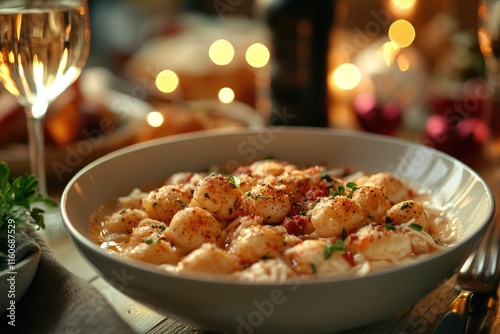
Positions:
{"x": 484, "y": 33}
{"x": 347, "y": 76}
{"x": 167, "y": 81}
{"x": 226, "y": 95}
{"x": 403, "y": 4}
{"x": 221, "y": 52}
{"x": 155, "y": 119}
{"x": 402, "y": 7}
{"x": 403, "y": 63}
{"x": 402, "y": 33}
{"x": 257, "y": 55}
{"x": 389, "y": 51}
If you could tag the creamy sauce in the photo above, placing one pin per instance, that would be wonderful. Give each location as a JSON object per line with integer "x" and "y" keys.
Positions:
{"x": 272, "y": 221}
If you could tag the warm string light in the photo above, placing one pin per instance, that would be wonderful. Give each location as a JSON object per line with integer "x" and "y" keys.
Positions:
{"x": 221, "y": 52}
{"x": 401, "y": 34}
{"x": 347, "y": 76}
{"x": 402, "y": 7}
{"x": 167, "y": 81}
{"x": 226, "y": 95}
{"x": 155, "y": 119}
{"x": 257, "y": 55}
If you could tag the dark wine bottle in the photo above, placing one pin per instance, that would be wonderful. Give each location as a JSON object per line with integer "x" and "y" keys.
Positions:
{"x": 300, "y": 38}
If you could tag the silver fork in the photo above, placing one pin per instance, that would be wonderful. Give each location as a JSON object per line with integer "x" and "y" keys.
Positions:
{"x": 477, "y": 281}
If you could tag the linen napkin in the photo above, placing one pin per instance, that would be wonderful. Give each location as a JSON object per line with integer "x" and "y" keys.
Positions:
{"x": 58, "y": 301}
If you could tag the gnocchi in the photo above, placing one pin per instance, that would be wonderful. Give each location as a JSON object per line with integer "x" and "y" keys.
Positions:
{"x": 272, "y": 221}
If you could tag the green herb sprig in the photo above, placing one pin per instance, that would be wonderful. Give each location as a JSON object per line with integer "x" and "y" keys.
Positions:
{"x": 338, "y": 246}
{"x": 341, "y": 191}
{"x": 17, "y": 194}
{"x": 232, "y": 180}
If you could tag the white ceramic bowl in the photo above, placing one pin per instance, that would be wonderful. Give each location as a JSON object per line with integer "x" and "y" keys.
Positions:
{"x": 309, "y": 306}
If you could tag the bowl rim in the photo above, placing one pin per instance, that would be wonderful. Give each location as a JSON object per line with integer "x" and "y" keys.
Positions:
{"x": 224, "y": 279}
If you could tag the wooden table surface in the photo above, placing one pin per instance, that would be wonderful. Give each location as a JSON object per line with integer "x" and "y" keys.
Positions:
{"x": 420, "y": 318}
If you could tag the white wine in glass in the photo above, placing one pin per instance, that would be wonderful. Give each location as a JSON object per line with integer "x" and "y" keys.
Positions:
{"x": 44, "y": 45}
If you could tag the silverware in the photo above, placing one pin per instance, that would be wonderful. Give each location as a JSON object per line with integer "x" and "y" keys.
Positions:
{"x": 475, "y": 307}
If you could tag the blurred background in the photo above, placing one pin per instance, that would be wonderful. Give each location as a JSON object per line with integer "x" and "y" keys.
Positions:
{"x": 405, "y": 68}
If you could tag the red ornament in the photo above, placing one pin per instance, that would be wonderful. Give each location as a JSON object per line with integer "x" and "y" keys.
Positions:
{"x": 374, "y": 116}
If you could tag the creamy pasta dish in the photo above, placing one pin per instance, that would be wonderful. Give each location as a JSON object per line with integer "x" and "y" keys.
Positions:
{"x": 271, "y": 221}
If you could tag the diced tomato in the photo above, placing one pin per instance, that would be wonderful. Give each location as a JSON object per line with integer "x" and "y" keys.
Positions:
{"x": 349, "y": 257}
{"x": 314, "y": 193}
{"x": 296, "y": 225}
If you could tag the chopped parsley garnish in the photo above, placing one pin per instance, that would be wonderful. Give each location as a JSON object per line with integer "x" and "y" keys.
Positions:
{"x": 340, "y": 191}
{"x": 351, "y": 185}
{"x": 337, "y": 192}
{"x": 416, "y": 227}
{"x": 232, "y": 180}
{"x": 313, "y": 268}
{"x": 343, "y": 234}
{"x": 405, "y": 205}
{"x": 148, "y": 241}
{"x": 390, "y": 226}
{"x": 259, "y": 196}
{"x": 182, "y": 204}
{"x": 337, "y": 247}
{"x": 325, "y": 176}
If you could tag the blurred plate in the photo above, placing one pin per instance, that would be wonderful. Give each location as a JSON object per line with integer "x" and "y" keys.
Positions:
{"x": 63, "y": 162}
{"x": 203, "y": 115}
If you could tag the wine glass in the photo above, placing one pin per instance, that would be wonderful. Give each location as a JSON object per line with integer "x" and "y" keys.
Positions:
{"x": 44, "y": 45}
{"x": 488, "y": 32}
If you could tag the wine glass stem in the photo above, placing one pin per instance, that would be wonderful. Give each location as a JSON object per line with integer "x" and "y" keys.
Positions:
{"x": 36, "y": 150}
{"x": 493, "y": 77}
